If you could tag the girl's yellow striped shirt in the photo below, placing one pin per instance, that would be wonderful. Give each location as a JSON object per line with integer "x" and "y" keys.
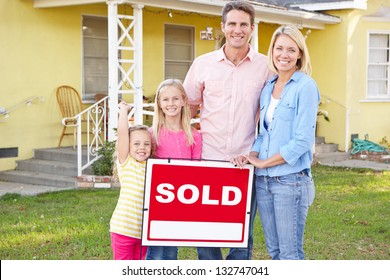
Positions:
{"x": 127, "y": 216}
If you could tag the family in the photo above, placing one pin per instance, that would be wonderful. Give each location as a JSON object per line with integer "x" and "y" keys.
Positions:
{"x": 254, "y": 109}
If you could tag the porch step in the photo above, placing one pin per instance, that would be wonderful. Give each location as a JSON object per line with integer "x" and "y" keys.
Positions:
{"x": 326, "y": 148}
{"x": 65, "y": 154}
{"x": 320, "y": 140}
{"x": 328, "y": 152}
{"x": 331, "y": 157}
{"x": 47, "y": 166}
{"x": 37, "y": 178}
{"x": 54, "y": 167}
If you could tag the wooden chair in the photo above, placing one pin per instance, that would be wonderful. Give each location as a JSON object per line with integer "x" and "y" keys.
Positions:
{"x": 70, "y": 104}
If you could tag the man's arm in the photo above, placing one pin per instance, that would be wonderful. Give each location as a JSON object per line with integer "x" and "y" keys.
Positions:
{"x": 194, "y": 110}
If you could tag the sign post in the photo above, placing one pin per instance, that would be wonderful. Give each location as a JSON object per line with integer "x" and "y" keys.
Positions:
{"x": 196, "y": 203}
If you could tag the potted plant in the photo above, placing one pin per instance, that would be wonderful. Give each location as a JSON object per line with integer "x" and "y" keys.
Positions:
{"x": 322, "y": 113}
{"x": 102, "y": 169}
{"x": 105, "y": 165}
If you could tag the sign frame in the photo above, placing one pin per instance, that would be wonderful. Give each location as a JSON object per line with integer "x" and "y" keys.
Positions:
{"x": 166, "y": 231}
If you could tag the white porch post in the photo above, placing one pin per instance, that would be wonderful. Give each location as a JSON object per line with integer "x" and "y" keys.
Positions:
{"x": 112, "y": 68}
{"x": 255, "y": 37}
{"x": 138, "y": 53}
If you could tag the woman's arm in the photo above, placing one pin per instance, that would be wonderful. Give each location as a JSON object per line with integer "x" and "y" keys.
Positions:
{"x": 265, "y": 163}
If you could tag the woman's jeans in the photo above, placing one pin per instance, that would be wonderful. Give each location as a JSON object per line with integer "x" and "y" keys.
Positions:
{"x": 283, "y": 203}
{"x": 162, "y": 253}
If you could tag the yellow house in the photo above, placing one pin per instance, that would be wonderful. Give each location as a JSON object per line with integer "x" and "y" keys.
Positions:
{"x": 48, "y": 43}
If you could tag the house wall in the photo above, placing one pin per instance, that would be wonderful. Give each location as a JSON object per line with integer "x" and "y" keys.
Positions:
{"x": 339, "y": 58}
{"x": 366, "y": 117}
{"x": 153, "y": 27}
{"x": 328, "y": 56}
{"x": 41, "y": 49}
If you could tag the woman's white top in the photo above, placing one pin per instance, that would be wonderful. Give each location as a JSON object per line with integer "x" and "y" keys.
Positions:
{"x": 270, "y": 112}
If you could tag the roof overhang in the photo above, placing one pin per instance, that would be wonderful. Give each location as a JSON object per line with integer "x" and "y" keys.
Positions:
{"x": 264, "y": 13}
{"x": 333, "y": 5}
{"x": 381, "y": 15}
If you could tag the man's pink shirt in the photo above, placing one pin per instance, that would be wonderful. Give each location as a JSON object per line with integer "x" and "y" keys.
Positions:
{"x": 229, "y": 95}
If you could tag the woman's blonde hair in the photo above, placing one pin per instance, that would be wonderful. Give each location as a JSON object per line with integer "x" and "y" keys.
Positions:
{"x": 159, "y": 119}
{"x": 303, "y": 63}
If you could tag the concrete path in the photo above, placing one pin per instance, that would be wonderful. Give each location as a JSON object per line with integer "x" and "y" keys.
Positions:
{"x": 26, "y": 189}
{"x": 357, "y": 163}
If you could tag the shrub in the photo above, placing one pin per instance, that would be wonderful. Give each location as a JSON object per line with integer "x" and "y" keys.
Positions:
{"x": 105, "y": 165}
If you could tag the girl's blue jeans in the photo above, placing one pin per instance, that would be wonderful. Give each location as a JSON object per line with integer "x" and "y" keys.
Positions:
{"x": 162, "y": 253}
{"x": 283, "y": 203}
{"x": 209, "y": 253}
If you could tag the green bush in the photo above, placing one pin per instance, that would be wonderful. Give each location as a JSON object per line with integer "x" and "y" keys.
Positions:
{"x": 105, "y": 165}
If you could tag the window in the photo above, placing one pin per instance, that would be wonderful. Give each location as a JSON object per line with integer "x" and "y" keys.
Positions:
{"x": 179, "y": 51}
{"x": 95, "y": 57}
{"x": 378, "y": 75}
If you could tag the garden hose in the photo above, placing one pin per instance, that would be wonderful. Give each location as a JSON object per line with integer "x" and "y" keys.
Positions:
{"x": 365, "y": 145}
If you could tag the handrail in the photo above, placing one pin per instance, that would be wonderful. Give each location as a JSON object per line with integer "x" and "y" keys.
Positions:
{"x": 28, "y": 102}
{"x": 96, "y": 127}
{"x": 329, "y": 100}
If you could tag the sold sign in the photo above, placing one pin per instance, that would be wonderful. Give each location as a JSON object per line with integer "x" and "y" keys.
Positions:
{"x": 196, "y": 203}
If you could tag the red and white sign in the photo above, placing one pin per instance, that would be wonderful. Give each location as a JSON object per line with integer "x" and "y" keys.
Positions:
{"x": 196, "y": 203}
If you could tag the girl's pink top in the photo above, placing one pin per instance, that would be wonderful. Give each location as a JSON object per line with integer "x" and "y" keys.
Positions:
{"x": 174, "y": 145}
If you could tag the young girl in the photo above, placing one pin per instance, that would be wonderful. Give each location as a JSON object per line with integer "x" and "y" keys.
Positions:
{"x": 173, "y": 137}
{"x": 134, "y": 146}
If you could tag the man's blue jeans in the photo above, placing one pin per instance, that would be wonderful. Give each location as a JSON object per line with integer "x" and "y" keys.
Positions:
{"x": 283, "y": 203}
{"x": 208, "y": 253}
{"x": 161, "y": 253}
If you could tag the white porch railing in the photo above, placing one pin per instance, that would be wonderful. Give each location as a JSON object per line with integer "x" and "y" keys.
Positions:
{"x": 95, "y": 129}
{"x": 92, "y": 122}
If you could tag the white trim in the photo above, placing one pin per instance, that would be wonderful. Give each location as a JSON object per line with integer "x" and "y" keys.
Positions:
{"x": 113, "y": 62}
{"x": 379, "y": 100}
{"x": 138, "y": 53}
{"x": 61, "y": 3}
{"x": 268, "y": 14}
{"x": 372, "y": 98}
{"x": 381, "y": 15}
{"x": 337, "y": 5}
{"x": 376, "y": 19}
{"x": 255, "y": 37}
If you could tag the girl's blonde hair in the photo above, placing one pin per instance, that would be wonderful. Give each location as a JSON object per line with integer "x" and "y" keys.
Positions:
{"x": 131, "y": 129}
{"x": 159, "y": 119}
{"x": 303, "y": 63}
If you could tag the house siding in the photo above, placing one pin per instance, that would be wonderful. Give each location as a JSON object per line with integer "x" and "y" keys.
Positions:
{"x": 42, "y": 49}
{"x": 339, "y": 57}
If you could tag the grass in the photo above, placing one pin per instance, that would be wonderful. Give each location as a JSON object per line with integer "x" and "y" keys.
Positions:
{"x": 349, "y": 220}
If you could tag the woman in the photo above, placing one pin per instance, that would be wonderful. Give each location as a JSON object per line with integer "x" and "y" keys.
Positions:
{"x": 282, "y": 153}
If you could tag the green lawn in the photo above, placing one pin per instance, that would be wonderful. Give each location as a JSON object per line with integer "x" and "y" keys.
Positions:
{"x": 349, "y": 220}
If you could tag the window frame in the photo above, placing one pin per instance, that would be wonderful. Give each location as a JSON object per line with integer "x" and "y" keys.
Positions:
{"x": 179, "y": 61}
{"x": 373, "y": 97}
{"x": 89, "y": 97}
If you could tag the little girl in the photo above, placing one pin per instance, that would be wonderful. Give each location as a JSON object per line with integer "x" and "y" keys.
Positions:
{"x": 173, "y": 137}
{"x": 134, "y": 146}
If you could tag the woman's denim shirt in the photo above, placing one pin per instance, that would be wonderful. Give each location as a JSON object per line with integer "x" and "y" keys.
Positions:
{"x": 292, "y": 131}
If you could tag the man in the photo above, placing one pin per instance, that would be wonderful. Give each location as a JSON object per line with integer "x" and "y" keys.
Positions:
{"x": 226, "y": 84}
